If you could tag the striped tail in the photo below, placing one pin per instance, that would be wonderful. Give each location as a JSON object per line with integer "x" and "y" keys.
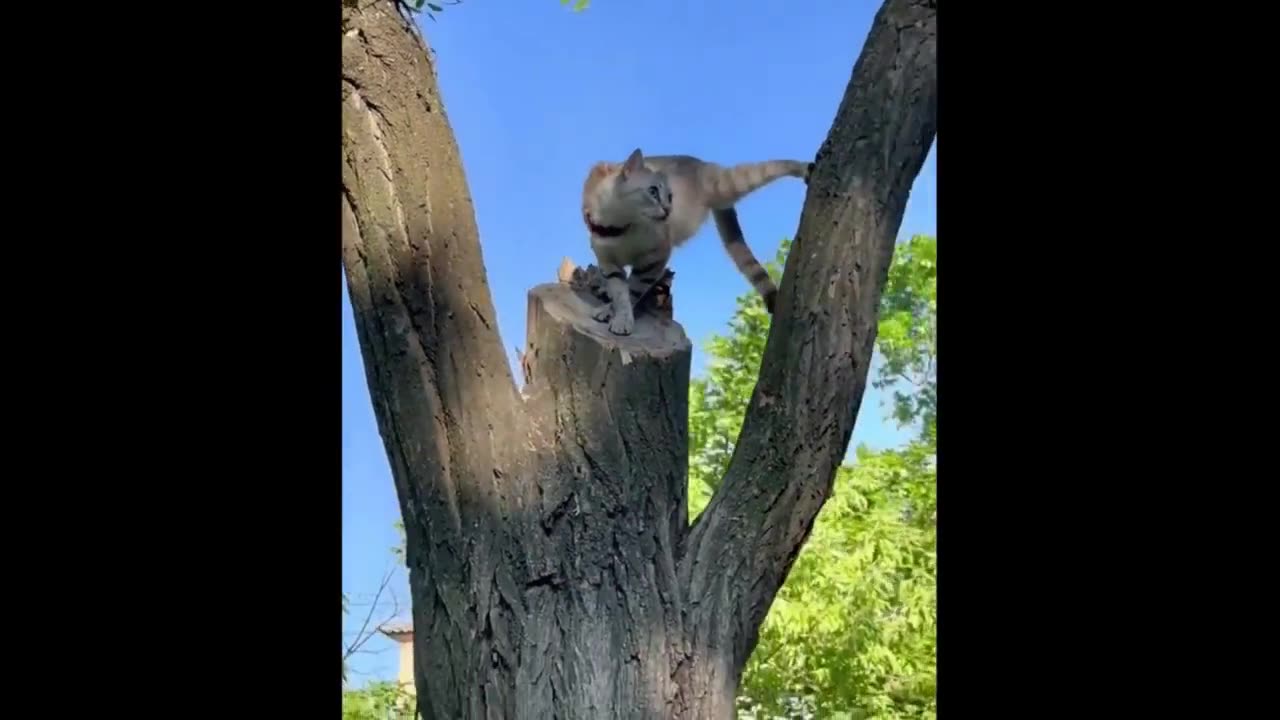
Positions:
{"x": 726, "y": 186}
{"x": 731, "y": 235}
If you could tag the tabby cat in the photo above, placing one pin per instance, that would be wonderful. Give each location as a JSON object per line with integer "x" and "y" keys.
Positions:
{"x": 639, "y": 211}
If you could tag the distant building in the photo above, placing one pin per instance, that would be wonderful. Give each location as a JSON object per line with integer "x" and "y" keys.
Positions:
{"x": 402, "y": 633}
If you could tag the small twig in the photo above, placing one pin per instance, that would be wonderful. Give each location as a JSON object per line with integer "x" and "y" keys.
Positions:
{"x": 364, "y": 634}
{"x": 364, "y": 651}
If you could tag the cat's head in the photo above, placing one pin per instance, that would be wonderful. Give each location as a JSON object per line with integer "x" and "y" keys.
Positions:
{"x": 641, "y": 192}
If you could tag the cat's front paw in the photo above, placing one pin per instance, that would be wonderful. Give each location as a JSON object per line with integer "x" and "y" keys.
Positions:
{"x": 603, "y": 313}
{"x": 622, "y": 324}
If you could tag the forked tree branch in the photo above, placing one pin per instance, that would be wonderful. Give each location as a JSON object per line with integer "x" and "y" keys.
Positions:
{"x": 801, "y": 415}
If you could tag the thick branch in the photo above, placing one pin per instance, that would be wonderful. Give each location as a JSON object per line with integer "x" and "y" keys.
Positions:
{"x": 814, "y": 371}
{"x": 437, "y": 374}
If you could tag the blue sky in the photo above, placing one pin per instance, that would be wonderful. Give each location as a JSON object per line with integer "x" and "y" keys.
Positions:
{"x": 536, "y": 94}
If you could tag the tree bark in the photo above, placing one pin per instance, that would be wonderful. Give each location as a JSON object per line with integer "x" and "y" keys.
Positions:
{"x": 552, "y": 567}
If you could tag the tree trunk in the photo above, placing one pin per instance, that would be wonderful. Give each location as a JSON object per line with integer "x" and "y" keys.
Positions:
{"x": 553, "y": 570}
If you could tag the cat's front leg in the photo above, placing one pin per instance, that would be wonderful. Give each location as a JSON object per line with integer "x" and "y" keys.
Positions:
{"x": 618, "y": 311}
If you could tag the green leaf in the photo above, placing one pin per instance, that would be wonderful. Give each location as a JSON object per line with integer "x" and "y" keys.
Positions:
{"x": 434, "y": 7}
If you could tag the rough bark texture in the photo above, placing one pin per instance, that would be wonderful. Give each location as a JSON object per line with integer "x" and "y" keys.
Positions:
{"x": 553, "y": 570}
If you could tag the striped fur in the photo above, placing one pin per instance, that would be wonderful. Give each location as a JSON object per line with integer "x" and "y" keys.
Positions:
{"x": 640, "y": 211}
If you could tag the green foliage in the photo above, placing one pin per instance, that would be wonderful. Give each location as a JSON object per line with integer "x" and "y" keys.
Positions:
{"x": 908, "y": 333}
{"x": 427, "y": 8}
{"x": 854, "y": 627}
{"x": 378, "y": 701}
{"x": 852, "y": 633}
{"x": 430, "y": 8}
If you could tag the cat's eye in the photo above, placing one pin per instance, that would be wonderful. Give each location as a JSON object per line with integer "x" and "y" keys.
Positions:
{"x": 653, "y": 192}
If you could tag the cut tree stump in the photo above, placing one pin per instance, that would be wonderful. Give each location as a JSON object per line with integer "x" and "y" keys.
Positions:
{"x": 560, "y": 322}
{"x": 579, "y": 292}
{"x": 606, "y": 464}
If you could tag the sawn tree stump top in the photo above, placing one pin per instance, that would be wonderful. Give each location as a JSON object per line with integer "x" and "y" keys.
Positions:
{"x": 654, "y": 336}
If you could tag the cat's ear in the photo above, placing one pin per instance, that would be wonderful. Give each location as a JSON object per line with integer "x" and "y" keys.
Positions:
{"x": 634, "y": 162}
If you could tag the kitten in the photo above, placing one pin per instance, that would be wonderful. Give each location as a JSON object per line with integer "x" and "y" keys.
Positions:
{"x": 641, "y": 210}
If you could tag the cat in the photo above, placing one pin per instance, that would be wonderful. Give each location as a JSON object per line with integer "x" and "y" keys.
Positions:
{"x": 639, "y": 211}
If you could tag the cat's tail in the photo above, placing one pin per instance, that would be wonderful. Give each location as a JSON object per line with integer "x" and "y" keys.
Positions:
{"x": 731, "y": 235}
{"x": 725, "y": 186}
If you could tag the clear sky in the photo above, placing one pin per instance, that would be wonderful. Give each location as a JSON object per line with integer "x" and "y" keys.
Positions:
{"x": 536, "y": 94}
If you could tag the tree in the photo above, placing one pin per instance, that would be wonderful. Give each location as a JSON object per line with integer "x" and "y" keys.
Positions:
{"x": 552, "y": 567}
{"x": 852, "y": 632}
